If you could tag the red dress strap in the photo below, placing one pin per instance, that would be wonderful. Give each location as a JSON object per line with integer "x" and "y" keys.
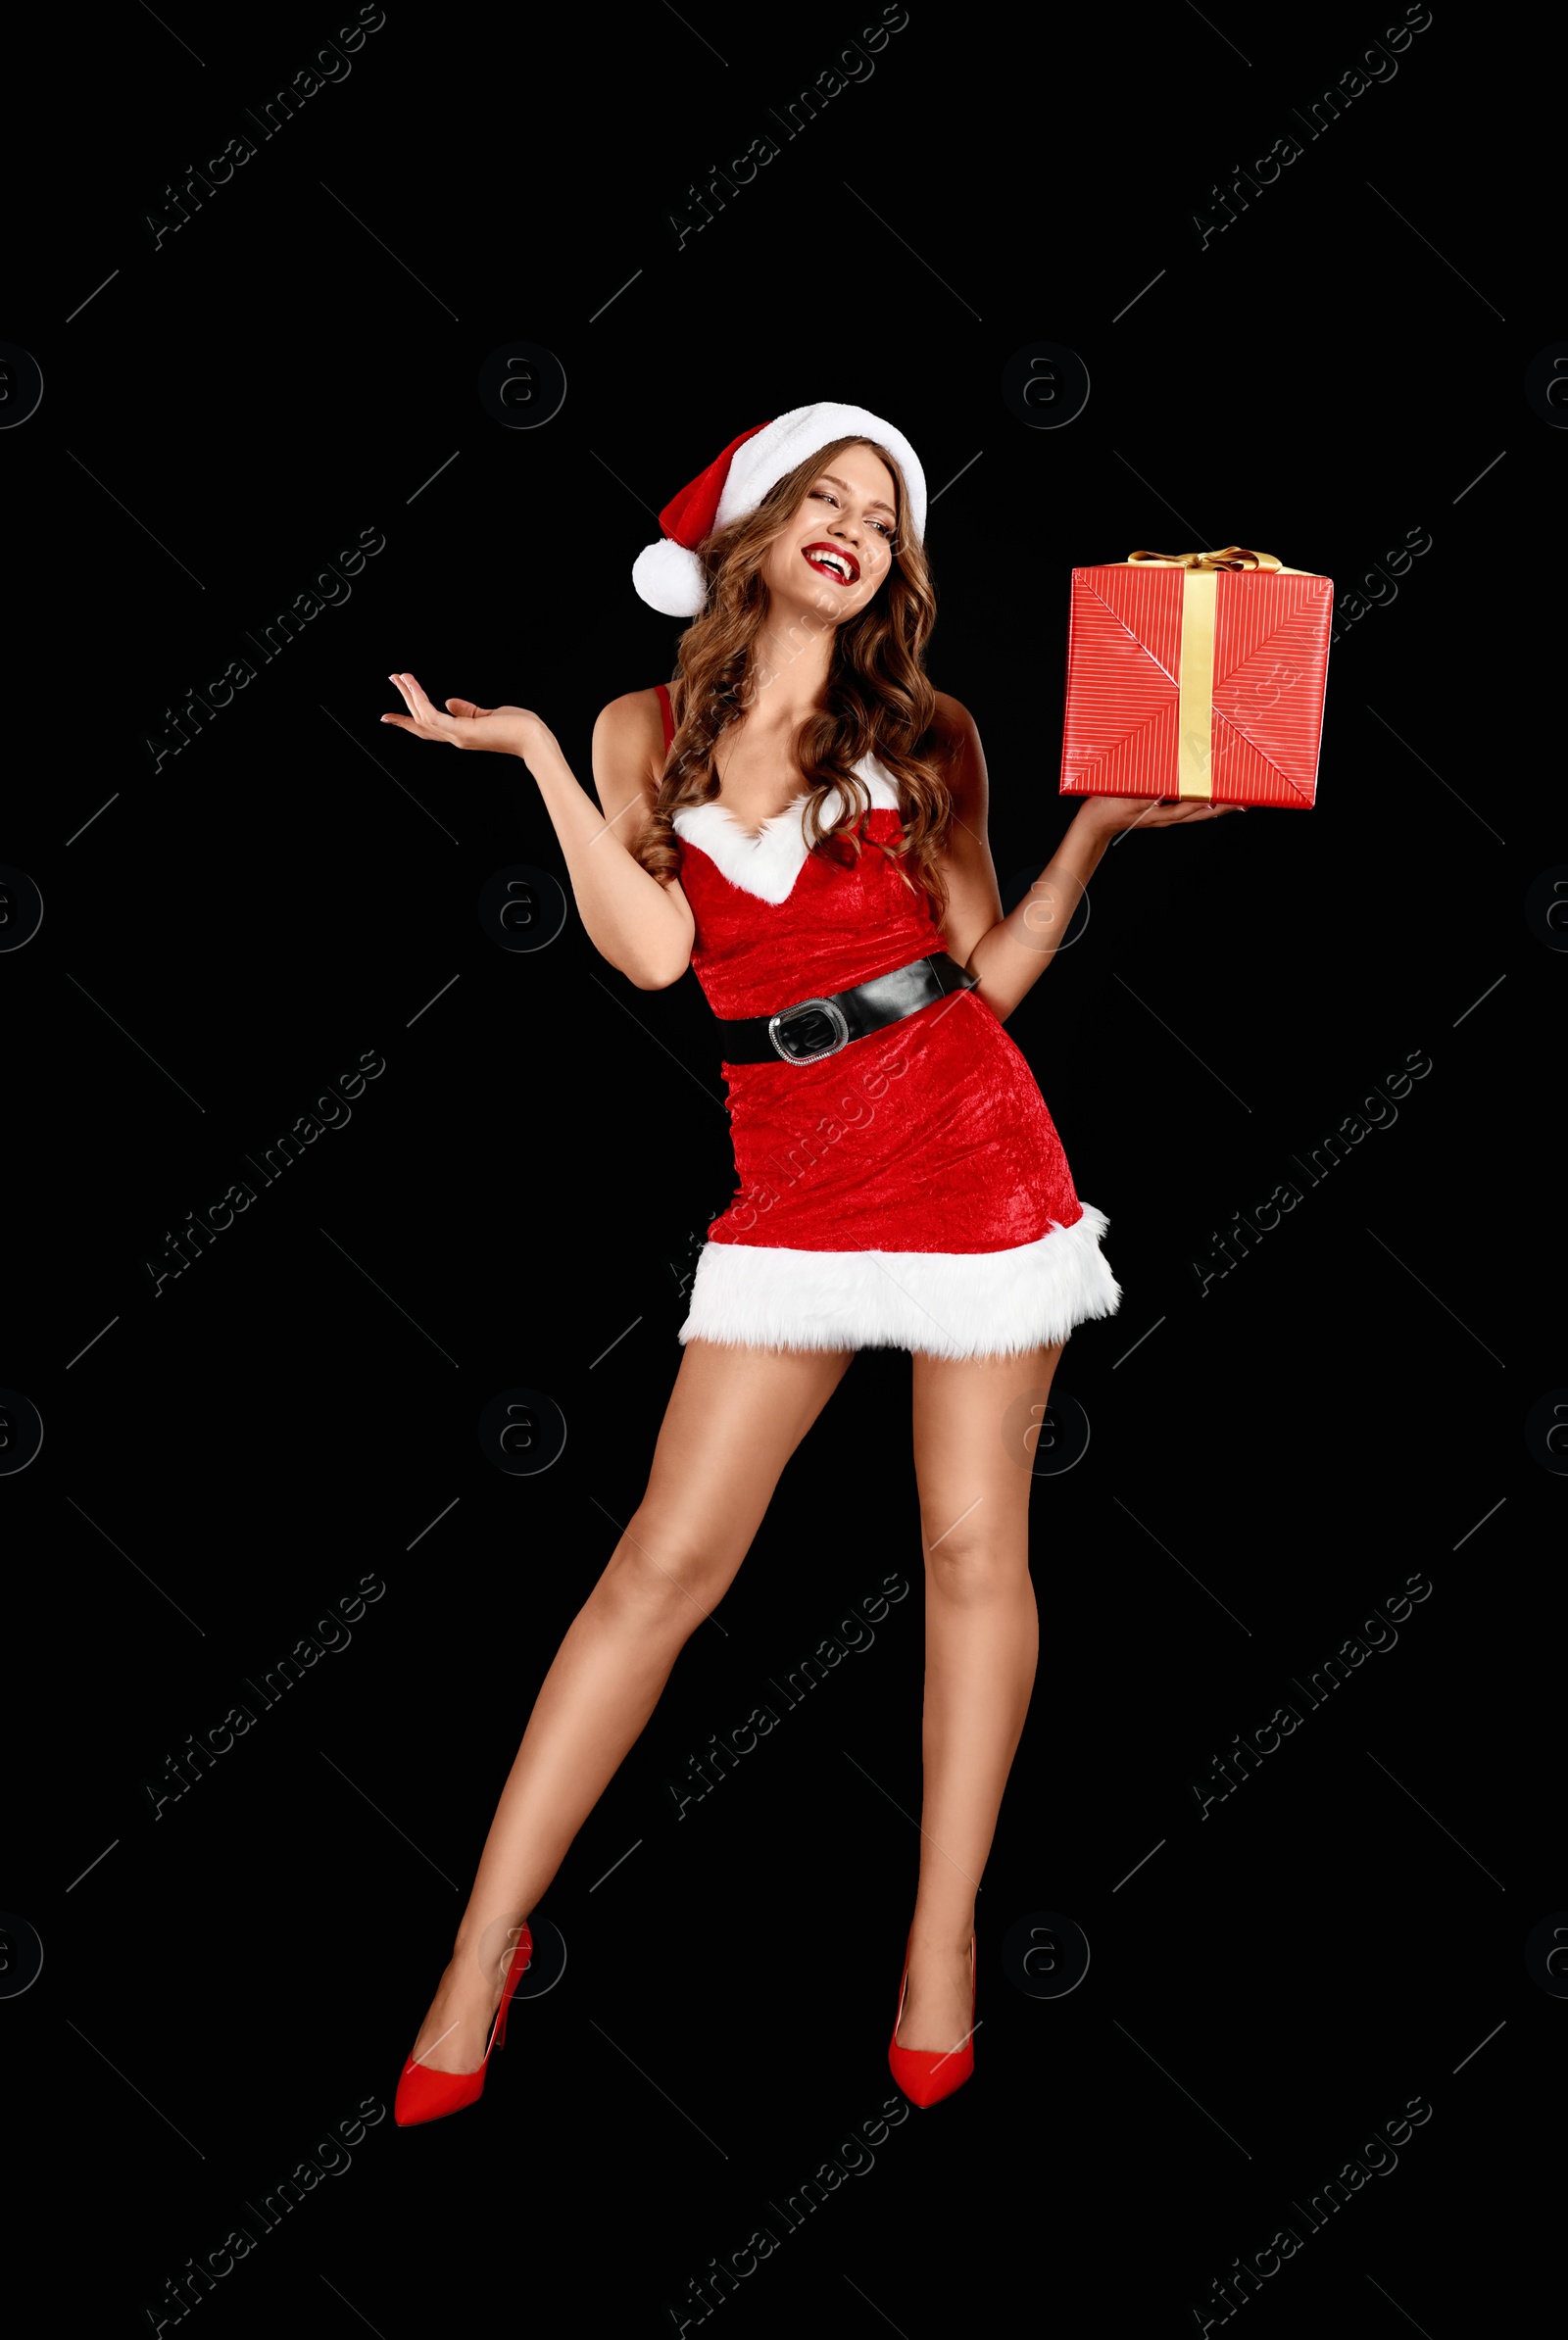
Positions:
{"x": 665, "y": 715}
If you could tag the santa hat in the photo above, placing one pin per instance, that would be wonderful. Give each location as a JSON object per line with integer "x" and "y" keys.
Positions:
{"x": 669, "y": 574}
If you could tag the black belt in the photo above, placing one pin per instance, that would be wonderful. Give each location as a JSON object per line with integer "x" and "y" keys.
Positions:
{"x": 816, "y": 1027}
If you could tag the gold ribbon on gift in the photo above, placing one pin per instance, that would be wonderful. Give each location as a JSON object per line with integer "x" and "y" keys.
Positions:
{"x": 1233, "y": 557}
{"x": 1195, "y": 714}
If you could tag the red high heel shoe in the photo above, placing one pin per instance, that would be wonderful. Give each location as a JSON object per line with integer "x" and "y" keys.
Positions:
{"x": 925, "y": 2076}
{"x": 426, "y": 2095}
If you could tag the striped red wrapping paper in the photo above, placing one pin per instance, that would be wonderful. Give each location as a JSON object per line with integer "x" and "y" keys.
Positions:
{"x": 1150, "y": 714}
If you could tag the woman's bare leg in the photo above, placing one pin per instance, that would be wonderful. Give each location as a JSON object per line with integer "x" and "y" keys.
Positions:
{"x": 982, "y": 1640}
{"x": 735, "y": 1417}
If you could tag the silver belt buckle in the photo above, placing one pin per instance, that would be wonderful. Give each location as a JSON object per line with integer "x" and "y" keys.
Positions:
{"x": 836, "y": 1019}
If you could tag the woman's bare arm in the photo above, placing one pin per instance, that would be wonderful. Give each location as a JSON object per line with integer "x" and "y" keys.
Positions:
{"x": 643, "y": 928}
{"x": 1010, "y": 953}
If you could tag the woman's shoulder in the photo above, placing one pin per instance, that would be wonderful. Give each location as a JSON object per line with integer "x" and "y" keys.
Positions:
{"x": 630, "y": 733}
{"x": 952, "y": 721}
{"x": 957, "y": 738}
{"x": 632, "y": 714}
{"x": 628, "y": 750}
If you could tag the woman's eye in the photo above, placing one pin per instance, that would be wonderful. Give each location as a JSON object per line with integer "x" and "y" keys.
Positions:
{"x": 882, "y": 527}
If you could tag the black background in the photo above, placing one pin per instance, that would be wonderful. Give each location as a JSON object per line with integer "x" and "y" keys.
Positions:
{"x": 531, "y": 1175}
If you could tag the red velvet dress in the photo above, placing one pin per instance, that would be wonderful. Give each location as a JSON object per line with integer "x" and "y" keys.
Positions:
{"x": 910, "y": 1191}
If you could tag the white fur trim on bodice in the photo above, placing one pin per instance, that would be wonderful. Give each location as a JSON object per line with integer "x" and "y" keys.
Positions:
{"x": 768, "y": 861}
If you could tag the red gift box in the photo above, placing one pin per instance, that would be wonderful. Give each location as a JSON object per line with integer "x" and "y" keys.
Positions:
{"x": 1197, "y": 675}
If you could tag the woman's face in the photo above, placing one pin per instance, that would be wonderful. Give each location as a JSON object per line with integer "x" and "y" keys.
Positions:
{"x": 833, "y": 555}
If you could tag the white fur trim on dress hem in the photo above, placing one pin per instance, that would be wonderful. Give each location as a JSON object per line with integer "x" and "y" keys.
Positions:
{"x": 943, "y": 1303}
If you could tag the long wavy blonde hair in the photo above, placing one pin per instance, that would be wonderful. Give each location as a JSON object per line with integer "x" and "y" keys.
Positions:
{"x": 879, "y": 701}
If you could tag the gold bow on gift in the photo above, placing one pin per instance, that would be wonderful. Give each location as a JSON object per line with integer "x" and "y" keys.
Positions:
{"x": 1233, "y": 557}
{"x": 1195, "y": 714}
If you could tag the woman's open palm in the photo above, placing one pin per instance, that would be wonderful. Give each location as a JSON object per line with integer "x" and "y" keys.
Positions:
{"x": 504, "y": 730}
{"x": 1143, "y": 812}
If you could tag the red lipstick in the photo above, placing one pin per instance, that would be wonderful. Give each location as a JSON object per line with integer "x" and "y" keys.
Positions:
{"x": 814, "y": 554}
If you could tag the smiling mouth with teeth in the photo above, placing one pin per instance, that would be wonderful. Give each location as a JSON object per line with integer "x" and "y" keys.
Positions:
{"x": 830, "y": 561}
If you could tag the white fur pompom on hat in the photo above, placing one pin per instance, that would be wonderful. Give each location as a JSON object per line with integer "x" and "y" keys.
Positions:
{"x": 667, "y": 574}
{"x": 670, "y": 578}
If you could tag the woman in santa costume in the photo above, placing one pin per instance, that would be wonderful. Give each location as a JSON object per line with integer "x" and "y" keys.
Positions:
{"x": 801, "y": 818}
